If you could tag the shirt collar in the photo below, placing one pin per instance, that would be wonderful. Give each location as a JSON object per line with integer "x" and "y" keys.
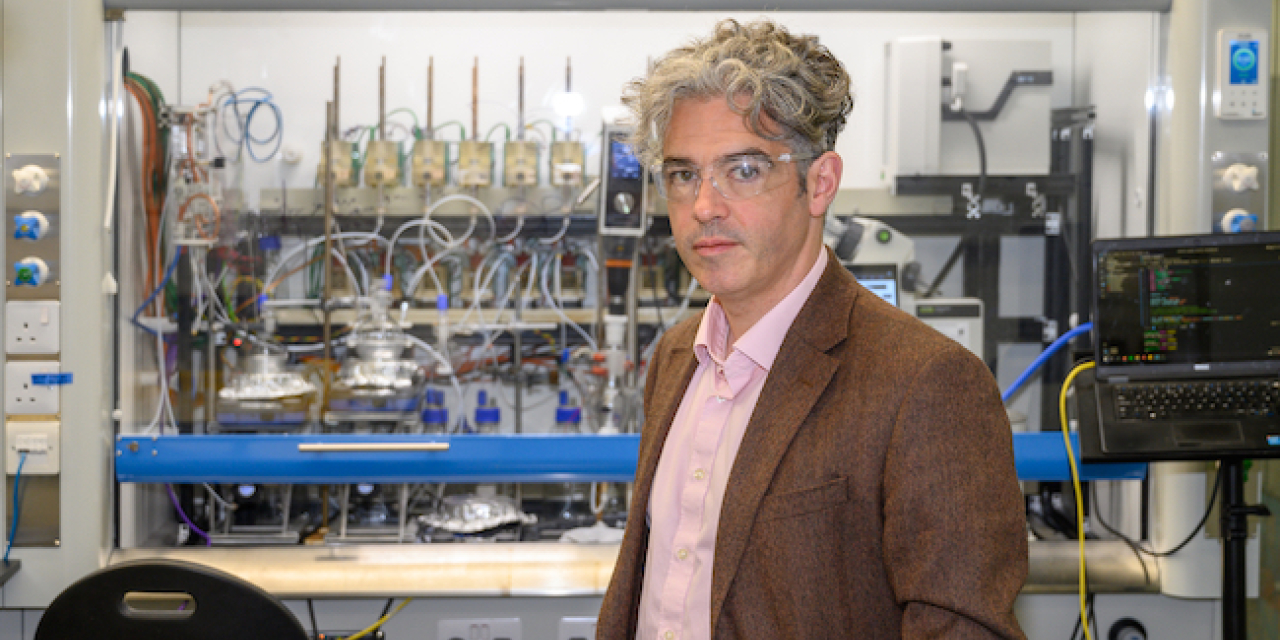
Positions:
{"x": 763, "y": 340}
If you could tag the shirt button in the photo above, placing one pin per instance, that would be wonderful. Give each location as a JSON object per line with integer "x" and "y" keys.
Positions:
{"x": 682, "y": 554}
{"x": 669, "y": 635}
{"x": 699, "y": 474}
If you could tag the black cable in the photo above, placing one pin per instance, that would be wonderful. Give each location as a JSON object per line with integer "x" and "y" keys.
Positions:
{"x": 946, "y": 269}
{"x": 311, "y": 610}
{"x": 385, "y": 611}
{"x": 1137, "y": 551}
{"x": 982, "y": 152}
{"x": 1088, "y": 606}
{"x": 1213, "y": 497}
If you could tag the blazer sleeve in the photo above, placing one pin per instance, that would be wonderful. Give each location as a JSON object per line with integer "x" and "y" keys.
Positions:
{"x": 955, "y": 542}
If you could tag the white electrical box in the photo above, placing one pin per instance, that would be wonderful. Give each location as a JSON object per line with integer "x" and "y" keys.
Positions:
{"x": 39, "y": 440}
{"x": 23, "y": 396}
{"x": 577, "y": 628}
{"x": 32, "y": 326}
{"x": 1003, "y": 85}
{"x": 913, "y": 81}
{"x": 960, "y": 319}
{"x": 480, "y": 629}
{"x": 1241, "y": 86}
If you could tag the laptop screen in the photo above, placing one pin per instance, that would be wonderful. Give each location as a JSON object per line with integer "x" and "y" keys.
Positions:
{"x": 1187, "y": 305}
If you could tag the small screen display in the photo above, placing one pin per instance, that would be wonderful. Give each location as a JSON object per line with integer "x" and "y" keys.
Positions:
{"x": 623, "y": 163}
{"x": 880, "y": 279}
{"x": 1244, "y": 62}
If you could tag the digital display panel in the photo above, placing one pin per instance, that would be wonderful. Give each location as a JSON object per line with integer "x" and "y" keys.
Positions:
{"x": 1244, "y": 62}
{"x": 880, "y": 279}
{"x": 623, "y": 163}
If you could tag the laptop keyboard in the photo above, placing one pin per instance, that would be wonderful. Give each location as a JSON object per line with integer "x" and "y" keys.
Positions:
{"x": 1195, "y": 400}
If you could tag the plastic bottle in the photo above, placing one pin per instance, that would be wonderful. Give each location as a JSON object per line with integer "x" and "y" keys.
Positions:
{"x": 435, "y": 417}
{"x": 488, "y": 415}
{"x": 568, "y": 416}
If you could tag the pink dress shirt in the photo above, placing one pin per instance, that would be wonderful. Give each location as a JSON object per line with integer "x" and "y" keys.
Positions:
{"x": 684, "y": 506}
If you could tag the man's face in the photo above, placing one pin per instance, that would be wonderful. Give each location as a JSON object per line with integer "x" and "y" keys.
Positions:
{"x": 750, "y": 253}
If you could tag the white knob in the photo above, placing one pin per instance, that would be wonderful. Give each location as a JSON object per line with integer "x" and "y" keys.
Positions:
{"x": 1241, "y": 177}
{"x": 30, "y": 180}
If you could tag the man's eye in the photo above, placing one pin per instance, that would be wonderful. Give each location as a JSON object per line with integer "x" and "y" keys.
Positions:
{"x": 745, "y": 171}
{"x": 679, "y": 176}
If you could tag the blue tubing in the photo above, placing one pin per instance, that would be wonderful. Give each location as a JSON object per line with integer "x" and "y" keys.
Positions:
{"x": 1043, "y": 358}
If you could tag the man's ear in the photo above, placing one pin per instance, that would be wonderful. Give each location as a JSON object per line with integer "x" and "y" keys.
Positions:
{"x": 823, "y": 181}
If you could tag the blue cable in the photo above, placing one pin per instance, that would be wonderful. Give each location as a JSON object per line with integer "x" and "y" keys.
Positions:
{"x": 1043, "y": 358}
{"x": 17, "y": 506}
{"x": 168, "y": 272}
{"x": 258, "y": 97}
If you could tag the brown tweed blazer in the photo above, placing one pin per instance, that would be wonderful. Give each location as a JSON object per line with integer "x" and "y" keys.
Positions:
{"x": 874, "y": 494}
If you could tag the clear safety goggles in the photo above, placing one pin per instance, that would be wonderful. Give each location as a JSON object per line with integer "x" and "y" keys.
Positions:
{"x": 735, "y": 177}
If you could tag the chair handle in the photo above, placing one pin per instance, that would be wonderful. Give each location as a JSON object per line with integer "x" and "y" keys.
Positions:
{"x": 350, "y": 447}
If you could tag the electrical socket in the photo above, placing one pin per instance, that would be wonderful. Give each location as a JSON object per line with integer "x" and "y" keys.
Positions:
{"x": 24, "y": 398}
{"x": 577, "y": 628}
{"x": 32, "y": 326}
{"x": 479, "y": 629}
{"x": 39, "y": 440}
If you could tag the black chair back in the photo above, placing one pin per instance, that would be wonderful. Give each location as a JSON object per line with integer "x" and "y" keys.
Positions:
{"x": 166, "y": 600}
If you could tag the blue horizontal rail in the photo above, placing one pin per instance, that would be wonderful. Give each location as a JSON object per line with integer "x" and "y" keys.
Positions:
{"x": 1043, "y": 457}
{"x": 469, "y": 458}
{"x": 272, "y": 459}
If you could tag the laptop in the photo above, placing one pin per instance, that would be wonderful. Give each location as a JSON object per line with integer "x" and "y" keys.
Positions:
{"x": 1187, "y": 346}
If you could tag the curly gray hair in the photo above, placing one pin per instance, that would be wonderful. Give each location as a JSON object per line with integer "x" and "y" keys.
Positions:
{"x": 762, "y": 70}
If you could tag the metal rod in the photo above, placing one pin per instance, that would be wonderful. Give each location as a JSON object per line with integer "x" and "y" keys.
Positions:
{"x": 475, "y": 99}
{"x": 350, "y": 447}
{"x": 334, "y": 122}
{"x": 288, "y": 504}
{"x": 568, "y": 88}
{"x": 211, "y": 385}
{"x": 344, "y": 510}
{"x": 404, "y": 511}
{"x": 1235, "y": 534}
{"x": 520, "y": 104}
{"x": 382, "y": 100}
{"x": 328, "y": 238}
{"x": 185, "y": 391}
{"x": 430, "y": 87}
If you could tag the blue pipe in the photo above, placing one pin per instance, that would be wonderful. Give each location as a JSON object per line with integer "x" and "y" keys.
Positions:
{"x": 1043, "y": 358}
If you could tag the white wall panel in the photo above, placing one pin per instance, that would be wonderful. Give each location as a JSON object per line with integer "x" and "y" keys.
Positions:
{"x": 292, "y": 55}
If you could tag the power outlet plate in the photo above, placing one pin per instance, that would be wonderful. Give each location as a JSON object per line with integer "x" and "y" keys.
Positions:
{"x": 577, "y": 628}
{"x": 32, "y": 326}
{"x": 40, "y": 442}
{"x": 22, "y": 397}
{"x": 479, "y": 629}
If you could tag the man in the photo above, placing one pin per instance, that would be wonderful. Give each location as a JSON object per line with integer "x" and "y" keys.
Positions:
{"x": 814, "y": 462}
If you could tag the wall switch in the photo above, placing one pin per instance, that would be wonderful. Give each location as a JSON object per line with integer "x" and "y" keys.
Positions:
{"x": 32, "y": 326}
{"x": 577, "y": 628}
{"x": 22, "y": 396}
{"x": 39, "y": 440}
{"x": 479, "y": 629}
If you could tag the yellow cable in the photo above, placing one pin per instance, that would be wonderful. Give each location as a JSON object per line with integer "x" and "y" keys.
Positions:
{"x": 1075, "y": 481}
{"x": 381, "y": 621}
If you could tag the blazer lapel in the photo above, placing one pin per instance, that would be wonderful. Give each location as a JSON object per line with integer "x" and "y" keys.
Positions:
{"x": 677, "y": 366}
{"x": 797, "y": 379}
{"x": 666, "y": 401}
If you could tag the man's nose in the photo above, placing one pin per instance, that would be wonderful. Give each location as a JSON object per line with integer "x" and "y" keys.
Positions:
{"x": 708, "y": 204}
